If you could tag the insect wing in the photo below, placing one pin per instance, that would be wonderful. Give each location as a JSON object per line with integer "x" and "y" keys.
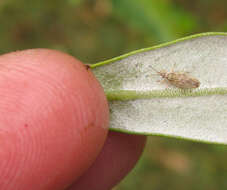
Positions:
{"x": 182, "y": 80}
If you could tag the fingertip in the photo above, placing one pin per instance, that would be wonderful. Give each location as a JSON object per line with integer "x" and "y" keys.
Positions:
{"x": 54, "y": 119}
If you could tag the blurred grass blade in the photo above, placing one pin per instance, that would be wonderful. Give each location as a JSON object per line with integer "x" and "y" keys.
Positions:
{"x": 159, "y": 18}
{"x": 141, "y": 105}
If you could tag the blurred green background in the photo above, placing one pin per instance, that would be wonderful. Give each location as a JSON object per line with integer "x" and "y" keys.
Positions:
{"x": 95, "y": 30}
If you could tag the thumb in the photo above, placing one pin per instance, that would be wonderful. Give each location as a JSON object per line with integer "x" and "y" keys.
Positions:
{"x": 53, "y": 120}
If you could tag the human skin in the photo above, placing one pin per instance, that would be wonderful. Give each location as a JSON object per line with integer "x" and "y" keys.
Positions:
{"x": 54, "y": 126}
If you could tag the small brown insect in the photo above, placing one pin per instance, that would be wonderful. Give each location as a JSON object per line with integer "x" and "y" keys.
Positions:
{"x": 87, "y": 66}
{"x": 179, "y": 79}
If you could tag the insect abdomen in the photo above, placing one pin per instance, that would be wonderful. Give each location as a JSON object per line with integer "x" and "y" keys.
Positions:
{"x": 182, "y": 80}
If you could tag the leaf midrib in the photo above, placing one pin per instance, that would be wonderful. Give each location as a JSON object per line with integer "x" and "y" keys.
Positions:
{"x": 125, "y": 95}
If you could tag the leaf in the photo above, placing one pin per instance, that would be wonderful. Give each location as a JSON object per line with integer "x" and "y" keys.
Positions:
{"x": 139, "y": 104}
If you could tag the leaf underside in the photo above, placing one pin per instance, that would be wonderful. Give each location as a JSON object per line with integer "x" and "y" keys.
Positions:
{"x": 140, "y": 104}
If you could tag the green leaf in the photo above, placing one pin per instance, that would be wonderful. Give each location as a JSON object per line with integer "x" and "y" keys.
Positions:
{"x": 139, "y": 104}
